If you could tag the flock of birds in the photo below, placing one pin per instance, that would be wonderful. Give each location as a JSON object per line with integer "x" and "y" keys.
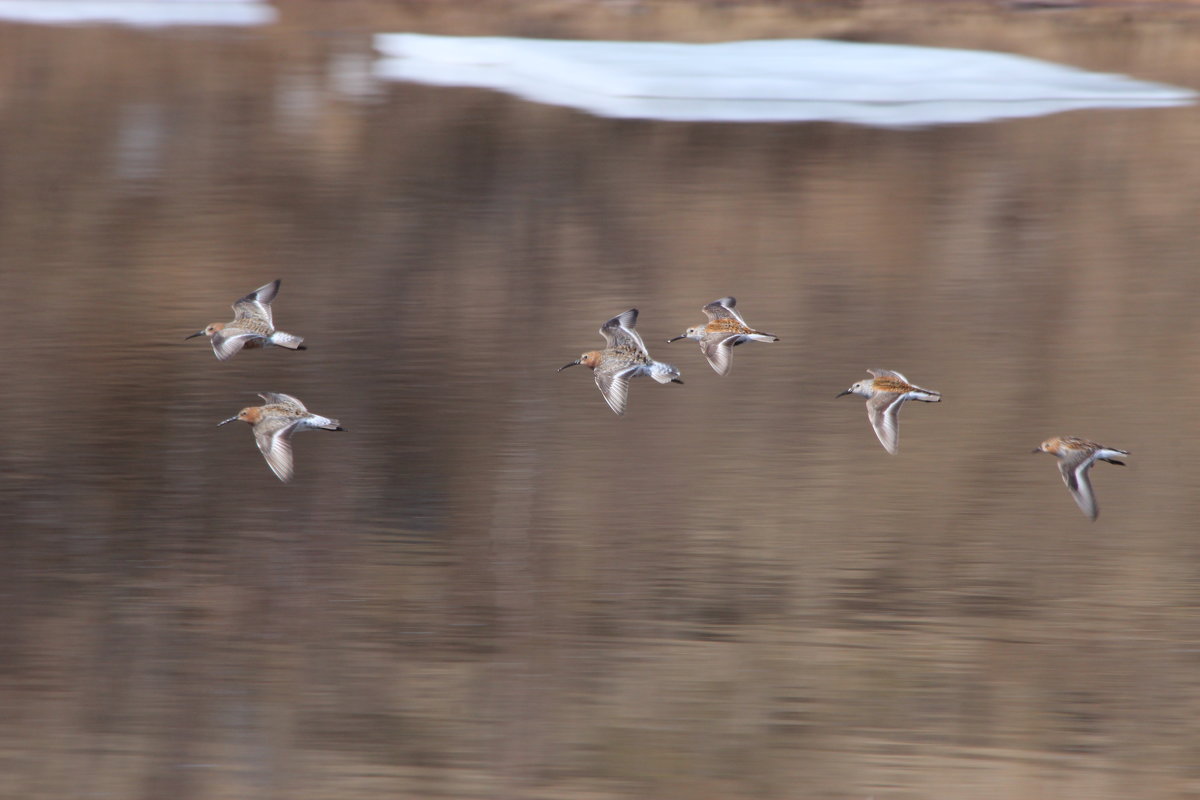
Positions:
{"x": 624, "y": 357}
{"x": 274, "y": 423}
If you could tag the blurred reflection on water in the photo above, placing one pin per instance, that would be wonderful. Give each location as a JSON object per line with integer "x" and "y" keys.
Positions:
{"x": 494, "y": 587}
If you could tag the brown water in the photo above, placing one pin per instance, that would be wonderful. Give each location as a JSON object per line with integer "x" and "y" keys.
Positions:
{"x": 491, "y": 586}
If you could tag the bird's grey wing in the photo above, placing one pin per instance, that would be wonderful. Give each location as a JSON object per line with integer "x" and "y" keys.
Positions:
{"x": 1075, "y": 470}
{"x": 722, "y": 308}
{"x": 227, "y": 342}
{"x": 274, "y": 442}
{"x": 615, "y": 388}
{"x": 257, "y": 304}
{"x": 619, "y": 331}
{"x": 719, "y": 352}
{"x": 882, "y": 410}
{"x": 888, "y": 373}
{"x": 278, "y": 398}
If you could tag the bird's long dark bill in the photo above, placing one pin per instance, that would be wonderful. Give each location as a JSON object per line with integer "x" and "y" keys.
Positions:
{"x": 231, "y": 419}
{"x": 839, "y": 394}
{"x": 194, "y": 335}
{"x": 1036, "y": 450}
{"x": 676, "y": 380}
{"x": 564, "y": 366}
{"x": 676, "y": 339}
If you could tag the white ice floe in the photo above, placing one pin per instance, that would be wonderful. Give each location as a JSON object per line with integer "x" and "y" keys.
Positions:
{"x": 138, "y": 13}
{"x": 786, "y": 80}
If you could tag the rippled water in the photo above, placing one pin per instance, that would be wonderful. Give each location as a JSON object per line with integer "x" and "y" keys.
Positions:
{"x": 491, "y": 586}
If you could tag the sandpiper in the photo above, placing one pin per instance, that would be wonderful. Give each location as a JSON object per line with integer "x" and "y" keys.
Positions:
{"x": 274, "y": 424}
{"x": 724, "y": 330}
{"x": 1075, "y": 458}
{"x": 885, "y": 393}
{"x": 625, "y": 357}
{"x": 251, "y": 326}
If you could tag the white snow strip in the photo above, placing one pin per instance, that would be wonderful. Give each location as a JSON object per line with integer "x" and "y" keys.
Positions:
{"x": 760, "y": 81}
{"x": 138, "y": 13}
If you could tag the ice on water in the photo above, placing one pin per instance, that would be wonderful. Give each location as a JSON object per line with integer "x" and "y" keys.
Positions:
{"x": 766, "y": 81}
{"x": 138, "y": 13}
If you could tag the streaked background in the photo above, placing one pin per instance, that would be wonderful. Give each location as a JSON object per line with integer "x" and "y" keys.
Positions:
{"x": 491, "y": 586}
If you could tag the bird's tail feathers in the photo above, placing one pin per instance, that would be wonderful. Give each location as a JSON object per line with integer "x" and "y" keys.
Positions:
{"x": 289, "y": 340}
{"x": 664, "y": 373}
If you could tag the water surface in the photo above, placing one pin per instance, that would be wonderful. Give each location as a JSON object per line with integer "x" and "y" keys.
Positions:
{"x": 491, "y": 586}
